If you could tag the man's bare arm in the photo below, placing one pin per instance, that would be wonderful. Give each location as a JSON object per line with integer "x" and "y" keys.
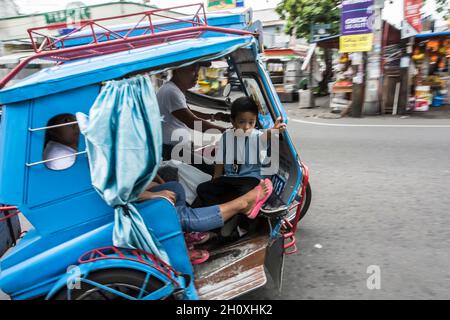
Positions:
{"x": 204, "y": 116}
{"x": 188, "y": 118}
{"x": 219, "y": 116}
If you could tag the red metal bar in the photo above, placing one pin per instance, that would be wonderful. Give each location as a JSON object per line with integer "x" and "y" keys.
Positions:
{"x": 150, "y": 12}
{"x": 52, "y": 43}
{"x": 8, "y": 208}
{"x": 289, "y": 229}
{"x": 94, "y": 35}
{"x": 157, "y": 263}
{"x": 303, "y": 194}
{"x": 63, "y": 53}
{"x": 85, "y": 23}
{"x": 135, "y": 26}
{"x": 151, "y": 23}
{"x": 178, "y": 20}
{"x": 204, "y": 14}
{"x": 9, "y": 216}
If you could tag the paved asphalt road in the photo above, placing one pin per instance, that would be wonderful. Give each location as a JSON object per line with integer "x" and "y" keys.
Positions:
{"x": 381, "y": 196}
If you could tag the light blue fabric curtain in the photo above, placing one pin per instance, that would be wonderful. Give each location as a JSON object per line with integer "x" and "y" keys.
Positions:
{"x": 123, "y": 143}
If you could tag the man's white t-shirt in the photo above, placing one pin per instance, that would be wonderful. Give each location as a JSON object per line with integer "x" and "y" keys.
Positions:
{"x": 170, "y": 99}
{"x": 55, "y": 150}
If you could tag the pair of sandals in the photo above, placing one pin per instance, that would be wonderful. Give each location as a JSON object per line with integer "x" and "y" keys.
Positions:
{"x": 194, "y": 238}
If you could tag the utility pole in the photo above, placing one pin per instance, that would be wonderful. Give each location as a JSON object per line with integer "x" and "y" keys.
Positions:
{"x": 312, "y": 102}
{"x": 373, "y": 70}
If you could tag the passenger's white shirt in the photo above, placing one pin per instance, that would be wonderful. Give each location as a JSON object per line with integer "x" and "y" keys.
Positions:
{"x": 170, "y": 99}
{"x": 54, "y": 150}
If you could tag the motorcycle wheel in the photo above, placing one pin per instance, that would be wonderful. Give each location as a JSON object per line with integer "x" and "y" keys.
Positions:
{"x": 127, "y": 281}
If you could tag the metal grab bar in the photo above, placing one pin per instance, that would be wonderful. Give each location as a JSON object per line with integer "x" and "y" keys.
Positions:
{"x": 54, "y": 126}
{"x": 7, "y": 208}
{"x": 53, "y": 159}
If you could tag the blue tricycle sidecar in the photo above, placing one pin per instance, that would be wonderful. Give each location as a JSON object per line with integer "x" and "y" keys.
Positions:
{"x": 68, "y": 253}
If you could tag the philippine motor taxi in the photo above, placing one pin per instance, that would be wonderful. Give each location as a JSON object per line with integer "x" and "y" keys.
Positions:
{"x": 68, "y": 254}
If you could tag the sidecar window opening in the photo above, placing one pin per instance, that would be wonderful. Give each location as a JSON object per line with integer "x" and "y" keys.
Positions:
{"x": 254, "y": 92}
{"x": 252, "y": 88}
{"x": 61, "y": 142}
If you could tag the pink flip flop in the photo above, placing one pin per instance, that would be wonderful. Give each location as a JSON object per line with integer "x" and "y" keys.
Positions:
{"x": 259, "y": 203}
{"x": 193, "y": 238}
{"x": 198, "y": 256}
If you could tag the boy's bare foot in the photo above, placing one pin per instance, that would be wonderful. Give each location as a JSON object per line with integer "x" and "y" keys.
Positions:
{"x": 258, "y": 193}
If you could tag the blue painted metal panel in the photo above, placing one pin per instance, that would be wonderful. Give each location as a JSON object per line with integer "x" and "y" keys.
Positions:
{"x": 13, "y": 150}
{"x": 52, "y": 261}
{"x": 54, "y": 185}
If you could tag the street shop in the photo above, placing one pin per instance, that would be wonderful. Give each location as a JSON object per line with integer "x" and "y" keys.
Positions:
{"x": 284, "y": 67}
{"x": 340, "y": 86}
{"x": 430, "y": 71}
{"x": 350, "y": 70}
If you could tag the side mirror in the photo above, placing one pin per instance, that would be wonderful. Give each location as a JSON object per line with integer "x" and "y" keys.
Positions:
{"x": 227, "y": 90}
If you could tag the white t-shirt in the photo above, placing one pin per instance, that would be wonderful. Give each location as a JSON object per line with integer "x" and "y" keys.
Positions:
{"x": 54, "y": 150}
{"x": 170, "y": 99}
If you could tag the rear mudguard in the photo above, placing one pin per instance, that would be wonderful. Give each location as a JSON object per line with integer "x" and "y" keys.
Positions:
{"x": 80, "y": 272}
{"x": 274, "y": 262}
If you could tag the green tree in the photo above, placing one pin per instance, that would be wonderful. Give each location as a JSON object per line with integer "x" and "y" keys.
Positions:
{"x": 301, "y": 14}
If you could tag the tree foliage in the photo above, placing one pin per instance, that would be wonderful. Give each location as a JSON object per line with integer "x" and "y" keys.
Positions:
{"x": 300, "y": 14}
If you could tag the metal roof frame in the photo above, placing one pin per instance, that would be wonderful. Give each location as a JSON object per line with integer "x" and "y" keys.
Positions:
{"x": 52, "y": 48}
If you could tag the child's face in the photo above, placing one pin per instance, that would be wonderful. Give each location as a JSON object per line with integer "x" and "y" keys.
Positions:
{"x": 245, "y": 121}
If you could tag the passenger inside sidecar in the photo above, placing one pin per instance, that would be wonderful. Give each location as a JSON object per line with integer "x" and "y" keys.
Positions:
{"x": 252, "y": 84}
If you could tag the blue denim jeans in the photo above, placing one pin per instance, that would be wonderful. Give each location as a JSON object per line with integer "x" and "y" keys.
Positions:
{"x": 198, "y": 219}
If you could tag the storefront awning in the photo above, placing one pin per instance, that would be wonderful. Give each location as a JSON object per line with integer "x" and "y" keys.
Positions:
{"x": 329, "y": 42}
{"x": 433, "y": 34}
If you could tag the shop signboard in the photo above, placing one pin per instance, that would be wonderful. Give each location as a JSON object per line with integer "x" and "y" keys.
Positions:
{"x": 214, "y": 5}
{"x": 71, "y": 14}
{"x": 356, "y": 25}
{"x": 412, "y": 23}
{"x": 412, "y": 13}
{"x": 321, "y": 31}
{"x": 356, "y": 43}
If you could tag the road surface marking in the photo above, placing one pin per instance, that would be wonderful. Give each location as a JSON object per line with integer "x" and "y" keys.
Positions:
{"x": 371, "y": 125}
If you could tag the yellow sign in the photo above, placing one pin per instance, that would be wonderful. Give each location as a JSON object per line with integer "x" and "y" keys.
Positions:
{"x": 356, "y": 43}
{"x": 214, "y": 5}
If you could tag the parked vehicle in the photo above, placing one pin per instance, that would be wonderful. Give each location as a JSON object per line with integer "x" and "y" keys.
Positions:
{"x": 70, "y": 241}
{"x": 9, "y": 228}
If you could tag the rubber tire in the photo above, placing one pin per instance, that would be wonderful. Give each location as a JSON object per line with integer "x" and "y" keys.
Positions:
{"x": 112, "y": 276}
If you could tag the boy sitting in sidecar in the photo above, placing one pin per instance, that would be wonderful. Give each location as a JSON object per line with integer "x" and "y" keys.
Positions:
{"x": 206, "y": 218}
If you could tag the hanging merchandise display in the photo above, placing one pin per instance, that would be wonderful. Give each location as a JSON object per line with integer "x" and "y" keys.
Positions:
{"x": 341, "y": 90}
{"x": 431, "y": 58}
{"x": 212, "y": 80}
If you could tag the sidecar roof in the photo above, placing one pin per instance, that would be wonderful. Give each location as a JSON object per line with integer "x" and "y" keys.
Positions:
{"x": 85, "y": 72}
